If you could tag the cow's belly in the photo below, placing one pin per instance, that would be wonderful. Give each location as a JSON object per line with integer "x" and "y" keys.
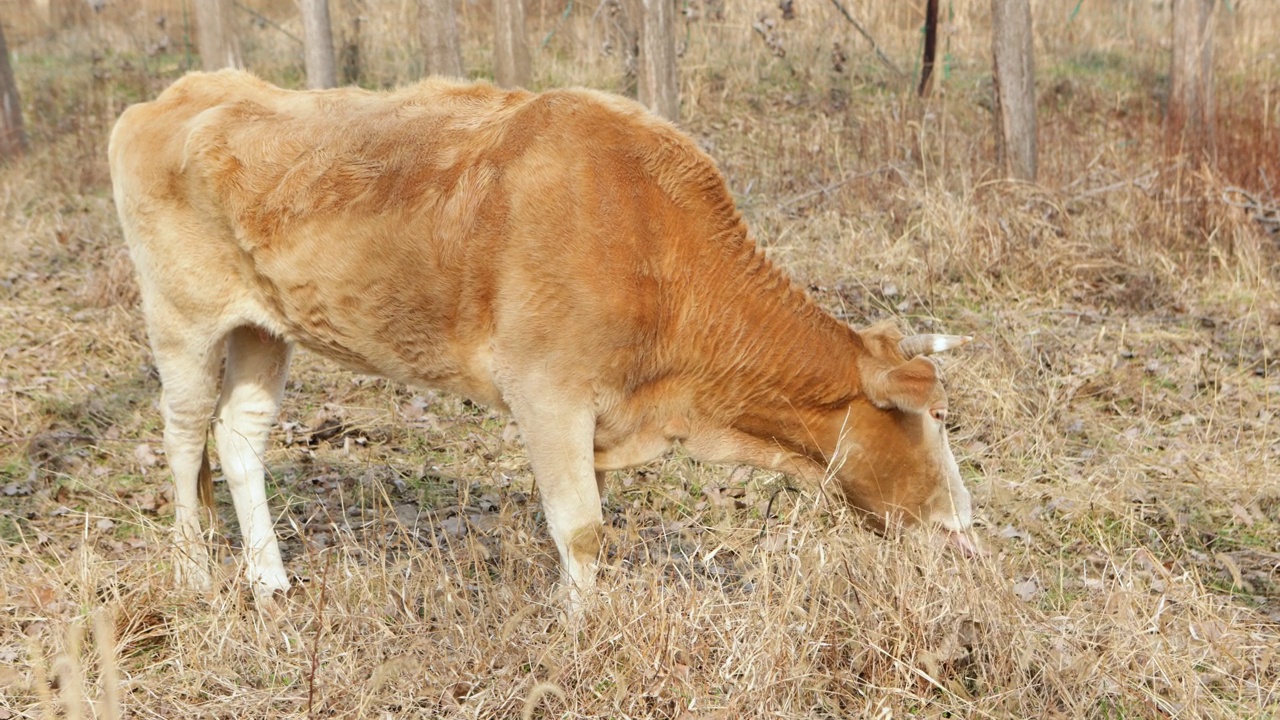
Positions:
{"x": 636, "y": 449}
{"x": 367, "y": 331}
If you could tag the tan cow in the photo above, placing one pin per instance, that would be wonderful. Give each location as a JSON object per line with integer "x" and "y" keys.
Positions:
{"x": 565, "y": 256}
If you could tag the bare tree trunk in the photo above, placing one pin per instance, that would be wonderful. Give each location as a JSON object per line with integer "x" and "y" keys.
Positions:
{"x": 930, "y": 47}
{"x": 69, "y": 13}
{"x": 318, "y": 38}
{"x": 658, "y": 79}
{"x": 1015, "y": 87}
{"x": 13, "y": 139}
{"x": 511, "y": 64}
{"x": 438, "y": 31}
{"x": 349, "y": 46}
{"x": 216, "y": 34}
{"x": 1189, "y": 124}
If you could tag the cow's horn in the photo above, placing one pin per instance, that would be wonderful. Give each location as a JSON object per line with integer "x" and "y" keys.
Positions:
{"x": 929, "y": 344}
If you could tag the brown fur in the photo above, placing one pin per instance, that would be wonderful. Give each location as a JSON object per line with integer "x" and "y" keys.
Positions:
{"x": 563, "y": 254}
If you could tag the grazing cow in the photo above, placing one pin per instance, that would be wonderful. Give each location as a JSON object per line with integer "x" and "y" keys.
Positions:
{"x": 565, "y": 256}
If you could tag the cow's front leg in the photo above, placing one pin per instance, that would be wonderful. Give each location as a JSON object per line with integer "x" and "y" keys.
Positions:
{"x": 559, "y": 435}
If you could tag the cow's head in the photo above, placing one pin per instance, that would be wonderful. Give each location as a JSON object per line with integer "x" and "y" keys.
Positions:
{"x": 893, "y": 459}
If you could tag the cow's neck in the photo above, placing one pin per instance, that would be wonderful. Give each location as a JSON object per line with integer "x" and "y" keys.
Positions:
{"x": 773, "y": 367}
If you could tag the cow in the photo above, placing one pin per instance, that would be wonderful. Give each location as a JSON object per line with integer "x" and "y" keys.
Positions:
{"x": 564, "y": 256}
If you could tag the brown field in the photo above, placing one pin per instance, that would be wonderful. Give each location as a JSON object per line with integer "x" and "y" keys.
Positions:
{"x": 1116, "y": 418}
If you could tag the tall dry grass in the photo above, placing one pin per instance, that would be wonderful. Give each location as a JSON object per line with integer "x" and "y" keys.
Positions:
{"x": 1115, "y": 419}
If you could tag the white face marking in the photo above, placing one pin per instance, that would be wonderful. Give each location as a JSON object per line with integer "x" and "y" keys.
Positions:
{"x": 951, "y": 505}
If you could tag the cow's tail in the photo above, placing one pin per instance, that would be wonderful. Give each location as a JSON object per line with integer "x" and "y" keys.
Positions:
{"x": 204, "y": 487}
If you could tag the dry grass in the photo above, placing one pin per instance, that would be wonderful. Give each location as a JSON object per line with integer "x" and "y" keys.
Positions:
{"x": 1116, "y": 419}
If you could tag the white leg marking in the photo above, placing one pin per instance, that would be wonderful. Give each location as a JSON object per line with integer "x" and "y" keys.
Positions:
{"x": 252, "y": 388}
{"x": 188, "y": 373}
{"x": 559, "y": 434}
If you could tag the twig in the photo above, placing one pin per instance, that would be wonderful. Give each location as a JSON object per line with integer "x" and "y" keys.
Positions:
{"x": 1135, "y": 182}
{"x": 1268, "y": 216}
{"x": 599, "y": 7}
{"x": 828, "y": 188}
{"x": 768, "y": 510}
{"x": 568, "y": 8}
{"x": 268, "y": 21}
{"x": 315, "y": 642}
{"x": 863, "y": 31}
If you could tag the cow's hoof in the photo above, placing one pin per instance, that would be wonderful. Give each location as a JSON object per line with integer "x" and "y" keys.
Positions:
{"x": 267, "y": 582}
{"x": 192, "y": 573}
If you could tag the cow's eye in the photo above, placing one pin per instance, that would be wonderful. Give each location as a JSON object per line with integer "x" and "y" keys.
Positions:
{"x": 939, "y": 414}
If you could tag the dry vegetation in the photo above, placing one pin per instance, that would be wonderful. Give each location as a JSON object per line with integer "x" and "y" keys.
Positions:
{"x": 1116, "y": 419}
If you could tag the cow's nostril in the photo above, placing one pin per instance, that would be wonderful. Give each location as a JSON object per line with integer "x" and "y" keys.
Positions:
{"x": 965, "y": 542}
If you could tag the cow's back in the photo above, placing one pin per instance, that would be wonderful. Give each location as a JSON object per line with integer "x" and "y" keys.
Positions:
{"x": 414, "y": 234}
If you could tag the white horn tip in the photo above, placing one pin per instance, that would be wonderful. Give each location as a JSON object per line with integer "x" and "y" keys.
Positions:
{"x": 943, "y": 343}
{"x": 930, "y": 344}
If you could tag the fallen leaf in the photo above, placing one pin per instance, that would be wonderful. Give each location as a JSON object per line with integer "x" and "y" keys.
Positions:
{"x": 1241, "y": 514}
{"x": 9, "y": 678}
{"x": 14, "y": 488}
{"x": 145, "y": 502}
{"x": 1027, "y": 590}
{"x": 1012, "y": 533}
{"x": 486, "y": 523}
{"x": 725, "y": 496}
{"x": 407, "y": 514}
{"x": 455, "y": 526}
{"x": 415, "y": 409}
{"x": 145, "y": 456}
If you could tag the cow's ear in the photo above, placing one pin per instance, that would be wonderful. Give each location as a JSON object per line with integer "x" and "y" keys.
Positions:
{"x": 911, "y": 386}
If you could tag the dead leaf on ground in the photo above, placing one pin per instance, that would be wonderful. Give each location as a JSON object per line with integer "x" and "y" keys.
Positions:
{"x": 1011, "y": 533}
{"x": 15, "y": 489}
{"x": 1027, "y": 590}
{"x": 10, "y": 678}
{"x": 726, "y": 496}
{"x": 145, "y": 456}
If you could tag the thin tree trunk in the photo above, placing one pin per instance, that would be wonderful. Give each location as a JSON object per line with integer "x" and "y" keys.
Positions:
{"x": 349, "y": 48}
{"x": 69, "y": 13}
{"x": 13, "y": 139}
{"x": 511, "y": 64}
{"x": 1015, "y": 88}
{"x": 1190, "y": 119}
{"x": 216, "y": 34}
{"x": 658, "y": 79}
{"x": 438, "y": 31}
{"x": 930, "y": 47}
{"x": 318, "y": 38}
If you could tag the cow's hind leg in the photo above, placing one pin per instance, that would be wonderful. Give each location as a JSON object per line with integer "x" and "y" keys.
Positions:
{"x": 188, "y": 364}
{"x": 252, "y": 387}
{"x": 560, "y": 437}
